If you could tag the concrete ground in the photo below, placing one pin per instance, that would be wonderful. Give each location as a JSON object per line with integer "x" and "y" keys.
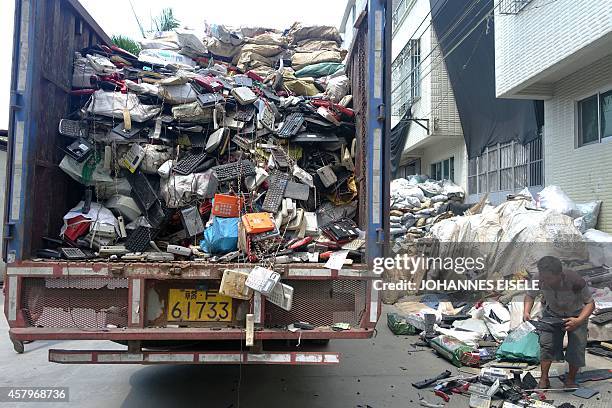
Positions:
{"x": 373, "y": 373}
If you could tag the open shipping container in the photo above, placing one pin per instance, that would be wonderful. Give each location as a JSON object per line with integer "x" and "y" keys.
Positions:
{"x": 126, "y": 302}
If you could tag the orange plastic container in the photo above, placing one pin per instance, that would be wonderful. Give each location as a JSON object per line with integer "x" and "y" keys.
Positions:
{"x": 227, "y": 205}
{"x": 256, "y": 223}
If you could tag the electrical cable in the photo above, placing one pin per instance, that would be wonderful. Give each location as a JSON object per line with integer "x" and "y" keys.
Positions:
{"x": 440, "y": 40}
{"x": 453, "y": 48}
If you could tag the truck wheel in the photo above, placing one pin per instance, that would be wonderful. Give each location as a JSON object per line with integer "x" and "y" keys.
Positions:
{"x": 18, "y": 346}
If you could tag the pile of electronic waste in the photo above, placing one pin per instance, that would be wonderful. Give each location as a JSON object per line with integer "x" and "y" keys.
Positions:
{"x": 237, "y": 147}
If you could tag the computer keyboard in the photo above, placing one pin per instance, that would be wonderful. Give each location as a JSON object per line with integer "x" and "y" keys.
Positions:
{"x": 139, "y": 240}
{"x": 281, "y": 159}
{"x": 72, "y": 128}
{"x": 232, "y": 171}
{"x": 276, "y": 189}
{"x": 74, "y": 253}
{"x": 245, "y": 113}
{"x": 292, "y": 125}
{"x": 189, "y": 163}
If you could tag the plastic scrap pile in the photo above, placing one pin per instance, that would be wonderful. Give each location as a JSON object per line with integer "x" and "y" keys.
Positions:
{"x": 514, "y": 235}
{"x": 490, "y": 333}
{"x": 235, "y": 146}
{"x": 418, "y": 202}
{"x": 499, "y": 362}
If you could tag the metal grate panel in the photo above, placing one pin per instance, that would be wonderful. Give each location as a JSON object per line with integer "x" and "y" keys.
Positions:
{"x": 321, "y": 303}
{"x": 88, "y": 303}
{"x": 357, "y": 68}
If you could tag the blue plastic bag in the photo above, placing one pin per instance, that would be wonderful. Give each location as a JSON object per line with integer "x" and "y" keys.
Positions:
{"x": 221, "y": 237}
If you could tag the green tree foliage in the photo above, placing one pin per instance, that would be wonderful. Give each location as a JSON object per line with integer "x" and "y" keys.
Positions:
{"x": 126, "y": 43}
{"x": 166, "y": 21}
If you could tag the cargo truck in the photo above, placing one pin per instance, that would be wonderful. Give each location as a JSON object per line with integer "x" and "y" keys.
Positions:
{"x": 128, "y": 302}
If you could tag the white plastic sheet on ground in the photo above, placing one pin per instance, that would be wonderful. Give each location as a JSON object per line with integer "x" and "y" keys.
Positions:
{"x": 497, "y": 319}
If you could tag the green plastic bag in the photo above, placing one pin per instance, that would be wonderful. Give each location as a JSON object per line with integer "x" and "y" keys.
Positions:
{"x": 398, "y": 325}
{"x": 319, "y": 70}
{"x": 525, "y": 349}
{"x": 450, "y": 348}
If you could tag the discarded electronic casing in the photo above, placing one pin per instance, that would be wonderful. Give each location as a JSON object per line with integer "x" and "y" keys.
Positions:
{"x": 233, "y": 284}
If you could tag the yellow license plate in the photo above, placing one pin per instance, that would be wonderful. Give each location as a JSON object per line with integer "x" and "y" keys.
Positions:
{"x": 191, "y": 305}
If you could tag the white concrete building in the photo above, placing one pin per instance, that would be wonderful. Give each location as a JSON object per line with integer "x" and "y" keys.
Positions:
{"x": 561, "y": 52}
{"x": 435, "y": 144}
{"x": 352, "y": 11}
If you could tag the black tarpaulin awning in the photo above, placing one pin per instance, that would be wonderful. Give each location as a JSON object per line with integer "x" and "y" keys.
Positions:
{"x": 398, "y": 140}
{"x": 470, "y": 62}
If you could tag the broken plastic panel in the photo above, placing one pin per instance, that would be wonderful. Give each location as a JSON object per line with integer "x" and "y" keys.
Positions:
{"x": 133, "y": 157}
{"x": 143, "y": 190}
{"x": 281, "y": 296}
{"x": 192, "y": 221}
{"x": 297, "y": 191}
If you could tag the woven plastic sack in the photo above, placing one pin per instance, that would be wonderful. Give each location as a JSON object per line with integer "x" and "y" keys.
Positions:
{"x": 319, "y": 70}
{"x": 303, "y": 59}
{"x": 221, "y": 237}
{"x": 301, "y": 32}
{"x": 589, "y": 212}
{"x": 399, "y": 325}
{"x": 450, "y": 348}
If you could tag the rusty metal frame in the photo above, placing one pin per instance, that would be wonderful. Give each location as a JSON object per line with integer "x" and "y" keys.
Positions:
{"x": 182, "y": 333}
{"x": 192, "y": 357}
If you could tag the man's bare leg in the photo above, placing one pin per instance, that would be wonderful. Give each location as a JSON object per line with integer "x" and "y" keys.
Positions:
{"x": 544, "y": 368}
{"x": 570, "y": 379}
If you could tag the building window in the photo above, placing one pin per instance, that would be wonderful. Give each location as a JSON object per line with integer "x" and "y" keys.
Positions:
{"x": 506, "y": 167}
{"x": 415, "y": 72}
{"x": 512, "y": 6}
{"x": 606, "y": 114}
{"x": 443, "y": 170}
{"x": 400, "y": 10}
{"x": 406, "y": 78}
{"x": 594, "y": 118}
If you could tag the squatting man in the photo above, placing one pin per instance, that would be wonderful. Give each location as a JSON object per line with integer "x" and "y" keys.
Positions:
{"x": 567, "y": 305}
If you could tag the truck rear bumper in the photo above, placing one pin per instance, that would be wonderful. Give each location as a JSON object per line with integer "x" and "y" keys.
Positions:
{"x": 191, "y": 357}
{"x": 191, "y": 333}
